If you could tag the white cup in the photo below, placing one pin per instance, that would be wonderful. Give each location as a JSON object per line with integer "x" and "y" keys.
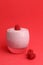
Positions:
{"x": 17, "y": 38}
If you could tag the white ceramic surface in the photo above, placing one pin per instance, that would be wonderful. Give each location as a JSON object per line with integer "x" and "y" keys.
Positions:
{"x": 17, "y": 38}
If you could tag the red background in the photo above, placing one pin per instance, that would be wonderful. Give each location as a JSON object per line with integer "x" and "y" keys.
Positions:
{"x": 26, "y": 13}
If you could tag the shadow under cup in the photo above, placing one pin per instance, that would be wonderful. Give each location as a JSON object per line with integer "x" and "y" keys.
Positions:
{"x": 17, "y": 40}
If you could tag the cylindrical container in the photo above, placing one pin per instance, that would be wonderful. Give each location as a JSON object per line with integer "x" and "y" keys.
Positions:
{"x": 17, "y": 40}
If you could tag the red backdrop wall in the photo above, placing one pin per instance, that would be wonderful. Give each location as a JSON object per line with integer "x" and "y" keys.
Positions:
{"x": 26, "y": 13}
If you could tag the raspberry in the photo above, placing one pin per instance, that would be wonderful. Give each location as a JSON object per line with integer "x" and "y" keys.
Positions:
{"x": 17, "y": 27}
{"x": 30, "y": 51}
{"x": 30, "y": 54}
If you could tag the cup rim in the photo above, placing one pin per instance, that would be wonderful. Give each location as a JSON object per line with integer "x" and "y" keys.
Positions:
{"x": 13, "y": 30}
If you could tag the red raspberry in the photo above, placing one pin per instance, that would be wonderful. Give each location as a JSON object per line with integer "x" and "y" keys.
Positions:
{"x": 30, "y": 54}
{"x": 17, "y": 27}
{"x": 30, "y": 51}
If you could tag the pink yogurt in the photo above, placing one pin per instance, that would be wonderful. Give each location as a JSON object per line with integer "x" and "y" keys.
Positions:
{"x": 17, "y": 40}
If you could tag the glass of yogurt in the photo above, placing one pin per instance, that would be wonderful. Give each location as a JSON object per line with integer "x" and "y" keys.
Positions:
{"x": 17, "y": 39}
